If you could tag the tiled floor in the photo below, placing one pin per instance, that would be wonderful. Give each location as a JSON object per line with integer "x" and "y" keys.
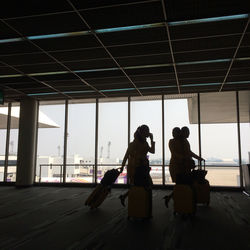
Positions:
{"x": 56, "y": 218}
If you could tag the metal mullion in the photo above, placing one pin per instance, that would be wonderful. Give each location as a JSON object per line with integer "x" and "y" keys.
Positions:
{"x": 104, "y": 47}
{"x": 129, "y": 118}
{"x": 37, "y": 125}
{"x": 170, "y": 46}
{"x": 96, "y": 140}
{"x": 129, "y": 125}
{"x": 6, "y": 161}
{"x": 234, "y": 56}
{"x": 56, "y": 60}
{"x": 199, "y": 122}
{"x": 163, "y": 141}
{"x": 239, "y": 139}
{"x": 65, "y": 141}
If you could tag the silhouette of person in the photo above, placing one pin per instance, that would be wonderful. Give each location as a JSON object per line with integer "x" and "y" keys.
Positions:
{"x": 177, "y": 153}
{"x": 138, "y": 163}
{"x": 181, "y": 162}
{"x": 188, "y": 154}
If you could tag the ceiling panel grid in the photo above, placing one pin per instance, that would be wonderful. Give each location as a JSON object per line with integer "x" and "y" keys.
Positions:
{"x": 89, "y": 49}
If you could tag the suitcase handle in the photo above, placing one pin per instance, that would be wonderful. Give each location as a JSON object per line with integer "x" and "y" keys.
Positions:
{"x": 200, "y": 165}
{"x": 120, "y": 169}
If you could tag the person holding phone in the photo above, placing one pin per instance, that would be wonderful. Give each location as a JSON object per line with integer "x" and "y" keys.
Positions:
{"x": 138, "y": 164}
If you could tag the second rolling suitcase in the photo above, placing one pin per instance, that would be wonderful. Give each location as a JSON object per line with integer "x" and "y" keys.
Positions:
{"x": 184, "y": 201}
{"x": 139, "y": 202}
{"x": 202, "y": 192}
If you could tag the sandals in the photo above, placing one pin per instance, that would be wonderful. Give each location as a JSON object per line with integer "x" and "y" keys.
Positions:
{"x": 167, "y": 199}
{"x": 122, "y": 199}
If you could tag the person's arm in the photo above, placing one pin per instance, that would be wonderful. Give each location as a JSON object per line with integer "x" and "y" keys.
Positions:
{"x": 192, "y": 154}
{"x": 125, "y": 159}
{"x": 152, "y": 147}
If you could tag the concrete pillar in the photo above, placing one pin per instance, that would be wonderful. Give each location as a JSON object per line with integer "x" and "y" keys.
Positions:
{"x": 27, "y": 143}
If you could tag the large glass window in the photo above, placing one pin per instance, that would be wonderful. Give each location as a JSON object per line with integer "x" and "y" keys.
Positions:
{"x": 3, "y": 131}
{"x": 219, "y": 138}
{"x": 112, "y": 137}
{"x": 50, "y": 143}
{"x": 81, "y": 142}
{"x": 180, "y": 113}
{"x": 148, "y": 111}
{"x": 13, "y": 143}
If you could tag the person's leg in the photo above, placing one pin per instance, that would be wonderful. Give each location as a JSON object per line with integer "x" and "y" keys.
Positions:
{"x": 167, "y": 198}
{"x": 178, "y": 179}
{"x": 150, "y": 186}
{"x": 150, "y": 203}
{"x": 123, "y": 198}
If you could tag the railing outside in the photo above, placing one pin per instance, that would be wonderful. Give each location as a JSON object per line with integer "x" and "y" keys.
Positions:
{"x": 11, "y": 174}
{"x": 84, "y": 173}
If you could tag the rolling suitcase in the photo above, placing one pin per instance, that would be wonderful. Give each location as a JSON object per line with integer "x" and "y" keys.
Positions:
{"x": 139, "y": 202}
{"x": 201, "y": 186}
{"x": 101, "y": 191}
{"x": 184, "y": 200}
{"x": 202, "y": 192}
{"x": 110, "y": 177}
{"x": 97, "y": 196}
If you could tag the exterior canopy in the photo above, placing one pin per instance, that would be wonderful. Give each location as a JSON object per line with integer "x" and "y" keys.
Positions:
{"x": 44, "y": 121}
